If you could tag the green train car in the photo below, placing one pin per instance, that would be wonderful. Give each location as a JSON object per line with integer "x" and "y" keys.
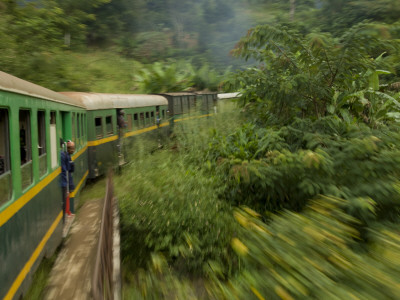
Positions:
{"x": 33, "y": 122}
{"x": 107, "y": 138}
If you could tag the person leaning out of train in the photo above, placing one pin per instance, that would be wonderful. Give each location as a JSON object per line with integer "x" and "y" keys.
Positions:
{"x": 121, "y": 119}
{"x": 67, "y": 182}
{"x": 158, "y": 119}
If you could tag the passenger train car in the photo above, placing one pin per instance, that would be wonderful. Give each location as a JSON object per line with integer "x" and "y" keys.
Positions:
{"x": 34, "y": 122}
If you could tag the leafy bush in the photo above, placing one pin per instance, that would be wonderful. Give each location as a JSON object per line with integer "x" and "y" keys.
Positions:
{"x": 310, "y": 256}
{"x": 271, "y": 169}
{"x": 172, "y": 208}
{"x": 165, "y": 77}
{"x": 315, "y": 75}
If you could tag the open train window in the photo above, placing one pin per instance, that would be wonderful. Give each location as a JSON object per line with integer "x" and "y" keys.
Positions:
{"x": 41, "y": 119}
{"x": 163, "y": 113}
{"x": 25, "y": 147}
{"x": 109, "y": 125}
{"x": 5, "y": 168}
{"x": 129, "y": 122}
{"x": 141, "y": 120}
{"x": 136, "y": 120}
{"x": 98, "y": 127}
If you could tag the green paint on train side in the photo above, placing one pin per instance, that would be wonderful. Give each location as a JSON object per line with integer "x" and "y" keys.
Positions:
{"x": 19, "y": 238}
{"x": 27, "y": 215}
{"x": 13, "y": 103}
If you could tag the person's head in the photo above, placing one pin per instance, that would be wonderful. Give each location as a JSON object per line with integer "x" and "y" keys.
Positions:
{"x": 122, "y": 112}
{"x": 70, "y": 147}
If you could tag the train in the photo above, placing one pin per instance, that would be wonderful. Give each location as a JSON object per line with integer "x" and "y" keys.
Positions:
{"x": 34, "y": 123}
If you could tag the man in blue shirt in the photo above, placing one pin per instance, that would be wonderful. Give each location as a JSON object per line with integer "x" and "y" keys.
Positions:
{"x": 67, "y": 168}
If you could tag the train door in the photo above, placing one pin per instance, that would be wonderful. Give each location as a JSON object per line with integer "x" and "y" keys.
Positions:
{"x": 158, "y": 116}
{"x": 5, "y": 162}
{"x": 25, "y": 147}
{"x": 121, "y": 125}
{"x": 53, "y": 140}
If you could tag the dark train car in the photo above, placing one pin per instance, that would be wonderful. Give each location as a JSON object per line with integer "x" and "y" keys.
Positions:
{"x": 33, "y": 120}
{"x": 207, "y": 101}
{"x": 105, "y": 137}
{"x": 180, "y": 104}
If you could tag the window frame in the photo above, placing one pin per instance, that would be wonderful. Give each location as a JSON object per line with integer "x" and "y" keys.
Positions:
{"x": 99, "y": 135}
{"x": 109, "y": 131}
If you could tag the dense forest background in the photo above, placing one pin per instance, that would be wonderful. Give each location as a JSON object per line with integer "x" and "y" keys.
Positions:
{"x": 112, "y": 45}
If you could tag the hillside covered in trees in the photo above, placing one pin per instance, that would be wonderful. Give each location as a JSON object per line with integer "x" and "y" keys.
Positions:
{"x": 48, "y": 41}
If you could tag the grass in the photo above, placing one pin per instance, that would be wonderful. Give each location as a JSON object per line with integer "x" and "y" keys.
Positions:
{"x": 94, "y": 189}
{"x": 40, "y": 278}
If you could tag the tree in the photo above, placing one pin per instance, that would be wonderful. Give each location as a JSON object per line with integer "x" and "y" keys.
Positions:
{"x": 304, "y": 75}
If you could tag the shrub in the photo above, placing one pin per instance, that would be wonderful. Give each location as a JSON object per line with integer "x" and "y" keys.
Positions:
{"x": 309, "y": 256}
{"x": 172, "y": 208}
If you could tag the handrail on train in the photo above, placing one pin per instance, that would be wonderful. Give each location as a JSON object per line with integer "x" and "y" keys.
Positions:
{"x": 106, "y": 275}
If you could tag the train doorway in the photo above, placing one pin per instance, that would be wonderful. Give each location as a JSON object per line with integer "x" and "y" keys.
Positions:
{"x": 121, "y": 125}
{"x": 53, "y": 140}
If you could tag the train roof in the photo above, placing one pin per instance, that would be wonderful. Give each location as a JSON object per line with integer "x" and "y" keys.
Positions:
{"x": 94, "y": 101}
{"x": 228, "y": 95}
{"x": 16, "y": 85}
{"x": 206, "y": 93}
{"x": 178, "y": 94}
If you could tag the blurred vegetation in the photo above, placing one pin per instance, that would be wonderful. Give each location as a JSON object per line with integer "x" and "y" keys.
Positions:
{"x": 312, "y": 173}
{"x": 312, "y": 256}
{"x": 308, "y": 166}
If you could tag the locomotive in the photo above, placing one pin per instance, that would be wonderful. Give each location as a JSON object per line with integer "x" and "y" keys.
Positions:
{"x": 33, "y": 123}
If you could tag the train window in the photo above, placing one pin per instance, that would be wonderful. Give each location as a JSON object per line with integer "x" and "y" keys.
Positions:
{"x": 53, "y": 140}
{"x": 136, "y": 120}
{"x": 109, "y": 125}
{"x": 152, "y": 116}
{"x": 98, "y": 127}
{"x": 25, "y": 147}
{"x": 129, "y": 122}
{"x": 41, "y": 119}
{"x": 141, "y": 120}
{"x": 163, "y": 113}
{"x": 5, "y": 168}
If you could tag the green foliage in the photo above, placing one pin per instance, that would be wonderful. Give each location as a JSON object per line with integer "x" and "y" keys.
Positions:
{"x": 305, "y": 75}
{"x": 208, "y": 78}
{"x": 173, "y": 207}
{"x": 162, "y": 78}
{"x": 271, "y": 169}
{"x": 177, "y": 76}
{"x": 158, "y": 282}
{"x": 310, "y": 256}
